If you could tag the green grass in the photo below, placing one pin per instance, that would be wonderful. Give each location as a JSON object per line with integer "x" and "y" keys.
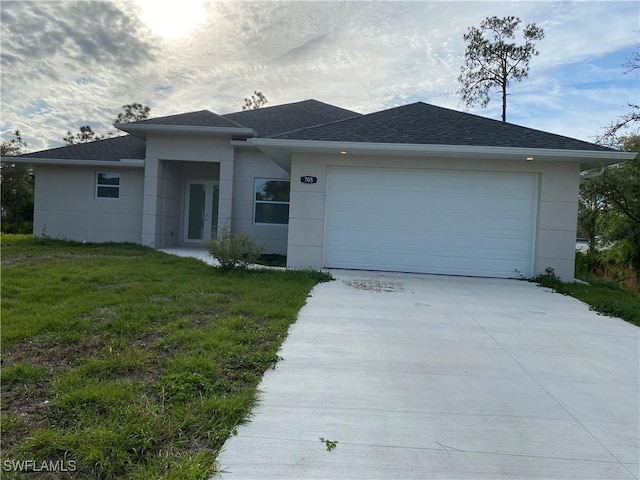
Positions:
{"x": 606, "y": 298}
{"x": 130, "y": 362}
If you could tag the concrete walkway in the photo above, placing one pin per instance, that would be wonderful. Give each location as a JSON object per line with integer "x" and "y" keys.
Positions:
{"x": 436, "y": 377}
{"x": 191, "y": 252}
{"x": 204, "y": 256}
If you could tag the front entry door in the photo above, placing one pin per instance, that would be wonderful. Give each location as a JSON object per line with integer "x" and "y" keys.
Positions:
{"x": 201, "y": 211}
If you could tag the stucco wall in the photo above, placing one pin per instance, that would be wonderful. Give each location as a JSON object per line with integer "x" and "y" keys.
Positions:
{"x": 163, "y": 150}
{"x": 557, "y": 220}
{"x": 250, "y": 164}
{"x": 169, "y": 204}
{"x": 172, "y": 178}
{"x": 557, "y": 204}
{"x": 173, "y": 159}
{"x": 66, "y": 204}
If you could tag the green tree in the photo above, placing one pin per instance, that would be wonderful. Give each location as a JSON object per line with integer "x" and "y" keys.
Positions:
{"x": 592, "y": 210}
{"x": 133, "y": 112}
{"x": 129, "y": 113}
{"x": 628, "y": 122}
{"x": 15, "y": 146}
{"x": 85, "y": 135}
{"x": 610, "y": 204}
{"x": 493, "y": 59}
{"x": 17, "y": 182}
{"x": 613, "y": 200}
{"x": 254, "y": 102}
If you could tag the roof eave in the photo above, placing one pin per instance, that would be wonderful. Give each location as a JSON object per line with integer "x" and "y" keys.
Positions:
{"x": 125, "y": 162}
{"x": 141, "y": 131}
{"x": 586, "y": 158}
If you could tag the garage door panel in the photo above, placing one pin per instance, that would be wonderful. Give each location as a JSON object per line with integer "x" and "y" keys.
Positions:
{"x": 505, "y": 224}
{"x": 356, "y": 199}
{"x": 386, "y": 220}
{"x": 503, "y": 246}
{"x": 496, "y": 266}
{"x": 505, "y": 205}
{"x": 506, "y": 184}
{"x": 460, "y": 223}
{"x": 367, "y": 199}
{"x": 362, "y": 179}
{"x": 455, "y": 203}
{"x": 397, "y": 262}
{"x": 451, "y": 261}
{"x": 361, "y": 239}
{"x": 443, "y": 242}
{"x": 468, "y": 223}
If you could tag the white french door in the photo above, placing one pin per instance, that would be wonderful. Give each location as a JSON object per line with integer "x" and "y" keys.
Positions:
{"x": 201, "y": 211}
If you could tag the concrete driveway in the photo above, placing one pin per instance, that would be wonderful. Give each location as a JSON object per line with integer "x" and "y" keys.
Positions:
{"x": 424, "y": 376}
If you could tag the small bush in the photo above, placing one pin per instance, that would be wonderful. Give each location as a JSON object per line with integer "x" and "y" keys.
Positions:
{"x": 234, "y": 251}
{"x": 612, "y": 265}
{"x": 549, "y": 279}
{"x": 17, "y": 227}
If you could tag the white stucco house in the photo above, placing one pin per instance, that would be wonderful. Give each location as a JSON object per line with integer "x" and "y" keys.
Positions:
{"x": 416, "y": 188}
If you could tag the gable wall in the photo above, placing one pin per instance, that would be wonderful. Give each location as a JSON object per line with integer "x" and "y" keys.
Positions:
{"x": 65, "y": 203}
{"x": 196, "y": 148}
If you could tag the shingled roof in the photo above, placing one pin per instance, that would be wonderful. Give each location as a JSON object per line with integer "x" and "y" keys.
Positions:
{"x": 266, "y": 121}
{"x": 201, "y": 118}
{"x": 417, "y": 123}
{"x": 421, "y": 123}
{"x": 111, "y": 149}
{"x": 269, "y": 121}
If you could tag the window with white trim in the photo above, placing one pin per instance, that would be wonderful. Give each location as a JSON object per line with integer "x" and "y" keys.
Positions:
{"x": 107, "y": 185}
{"x": 271, "y": 199}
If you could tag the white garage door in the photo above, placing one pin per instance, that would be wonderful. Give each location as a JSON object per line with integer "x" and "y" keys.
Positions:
{"x": 431, "y": 221}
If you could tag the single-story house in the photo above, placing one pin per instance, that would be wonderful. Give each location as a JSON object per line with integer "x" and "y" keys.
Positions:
{"x": 416, "y": 188}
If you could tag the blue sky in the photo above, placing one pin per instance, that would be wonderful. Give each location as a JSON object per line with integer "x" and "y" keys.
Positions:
{"x": 67, "y": 64}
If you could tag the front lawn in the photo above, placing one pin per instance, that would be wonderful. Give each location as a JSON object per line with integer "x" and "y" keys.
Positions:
{"x": 605, "y": 297}
{"x": 119, "y": 361}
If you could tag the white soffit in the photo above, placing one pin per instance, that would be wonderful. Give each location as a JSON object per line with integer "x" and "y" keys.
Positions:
{"x": 281, "y": 150}
{"x": 125, "y": 162}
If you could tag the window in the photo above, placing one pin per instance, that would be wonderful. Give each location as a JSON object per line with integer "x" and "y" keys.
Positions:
{"x": 107, "y": 185}
{"x": 271, "y": 201}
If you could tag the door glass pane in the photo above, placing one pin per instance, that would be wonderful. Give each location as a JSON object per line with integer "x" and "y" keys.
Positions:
{"x": 195, "y": 228}
{"x": 214, "y": 212}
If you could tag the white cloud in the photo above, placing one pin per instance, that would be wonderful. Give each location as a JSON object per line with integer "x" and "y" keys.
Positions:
{"x": 75, "y": 63}
{"x": 171, "y": 19}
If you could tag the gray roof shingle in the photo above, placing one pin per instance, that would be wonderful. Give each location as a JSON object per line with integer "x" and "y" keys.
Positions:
{"x": 202, "y": 118}
{"x": 111, "y": 149}
{"x": 421, "y": 123}
{"x": 417, "y": 123}
{"x": 269, "y": 121}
